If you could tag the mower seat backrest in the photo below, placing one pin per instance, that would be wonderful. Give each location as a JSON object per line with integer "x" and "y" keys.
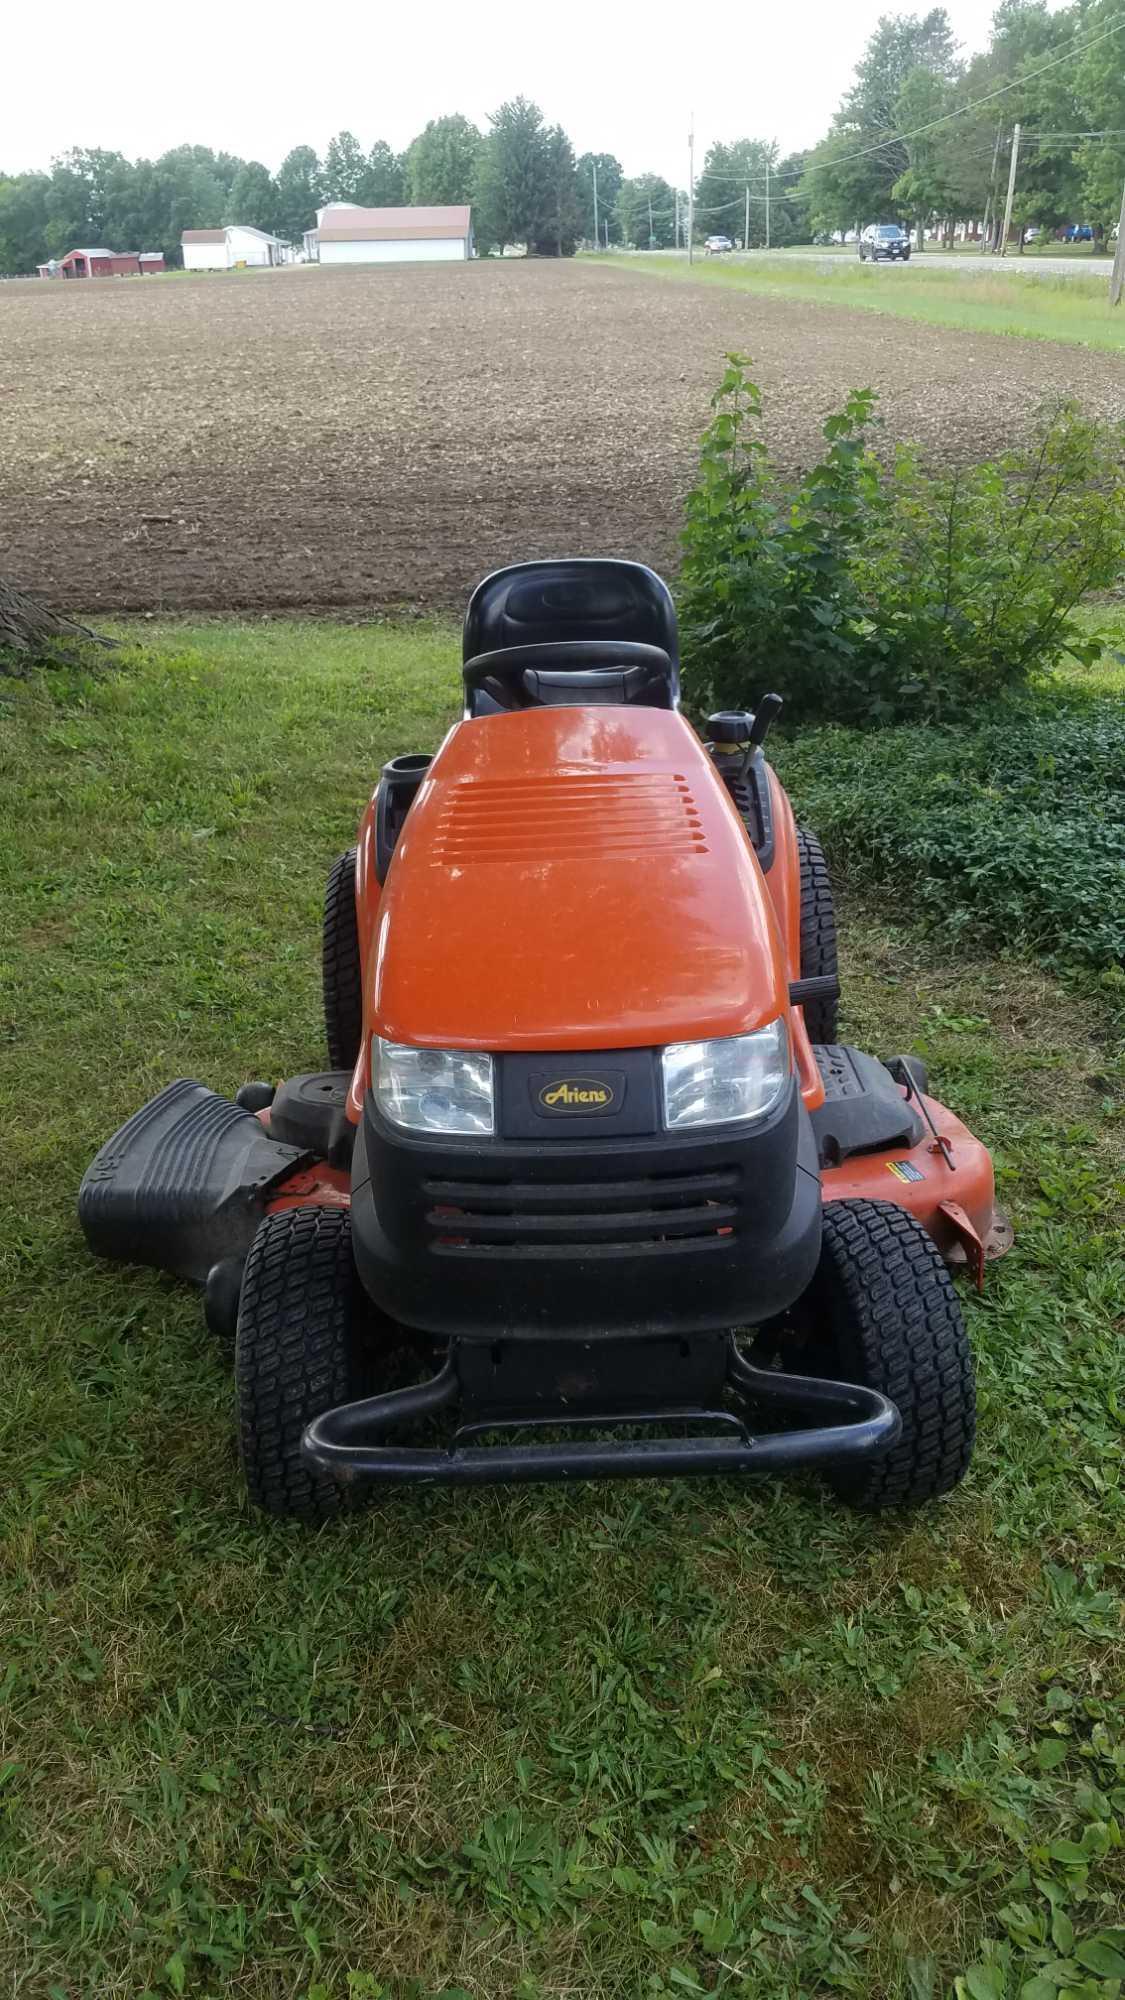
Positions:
{"x": 580, "y": 597}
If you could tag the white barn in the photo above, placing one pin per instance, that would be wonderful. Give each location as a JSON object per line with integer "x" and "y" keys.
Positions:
{"x": 346, "y": 234}
{"x": 222, "y": 249}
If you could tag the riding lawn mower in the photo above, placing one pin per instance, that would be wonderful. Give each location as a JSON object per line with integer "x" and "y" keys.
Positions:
{"x": 588, "y": 1145}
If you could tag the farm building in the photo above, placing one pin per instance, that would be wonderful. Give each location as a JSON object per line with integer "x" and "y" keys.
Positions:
{"x": 224, "y": 249}
{"x": 349, "y": 235}
{"x": 103, "y": 264}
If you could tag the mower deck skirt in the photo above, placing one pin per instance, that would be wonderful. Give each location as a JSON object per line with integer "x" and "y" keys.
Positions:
{"x": 349, "y": 1443}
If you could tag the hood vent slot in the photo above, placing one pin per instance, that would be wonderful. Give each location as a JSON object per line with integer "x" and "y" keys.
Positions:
{"x": 561, "y": 818}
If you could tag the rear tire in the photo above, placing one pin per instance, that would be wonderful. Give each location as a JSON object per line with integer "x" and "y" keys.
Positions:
{"x": 297, "y": 1353}
{"x": 884, "y": 1314}
{"x": 343, "y": 978}
{"x": 818, "y": 935}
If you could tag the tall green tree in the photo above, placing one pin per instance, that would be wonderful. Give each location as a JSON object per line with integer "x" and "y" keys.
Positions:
{"x": 720, "y": 194}
{"x": 558, "y": 236}
{"x": 345, "y": 169}
{"x": 23, "y": 223}
{"x": 441, "y": 163}
{"x": 646, "y": 212}
{"x": 190, "y": 194}
{"x": 79, "y": 199}
{"x": 300, "y": 190}
{"x": 789, "y": 208}
{"x": 194, "y": 192}
{"x": 852, "y": 173}
{"x": 383, "y": 184}
{"x": 1099, "y": 87}
{"x": 923, "y": 191}
{"x": 610, "y": 173}
{"x": 253, "y": 197}
{"x": 514, "y": 180}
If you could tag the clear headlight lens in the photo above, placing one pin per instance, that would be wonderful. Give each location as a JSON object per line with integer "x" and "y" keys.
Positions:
{"x": 433, "y": 1090}
{"x": 717, "y": 1083}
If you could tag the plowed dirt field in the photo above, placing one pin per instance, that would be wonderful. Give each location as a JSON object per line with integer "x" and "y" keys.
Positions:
{"x": 359, "y": 439}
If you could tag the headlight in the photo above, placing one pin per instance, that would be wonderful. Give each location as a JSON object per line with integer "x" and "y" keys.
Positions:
{"x": 433, "y": 1090}
{"x": 717, "y": 1083}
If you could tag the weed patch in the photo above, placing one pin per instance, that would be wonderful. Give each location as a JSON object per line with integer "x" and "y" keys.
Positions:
{"x": 1010, "y": 827}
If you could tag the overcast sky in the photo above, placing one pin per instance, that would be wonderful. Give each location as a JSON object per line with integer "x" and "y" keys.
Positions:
{"x": 257, "y": 78}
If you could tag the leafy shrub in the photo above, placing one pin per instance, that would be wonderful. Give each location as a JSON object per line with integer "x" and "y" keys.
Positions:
{"x": 1011, "y": 828}
{"x": 870, "y": 593}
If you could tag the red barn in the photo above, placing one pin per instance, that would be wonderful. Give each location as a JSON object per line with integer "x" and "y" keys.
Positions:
{"x": 105, "y": 264}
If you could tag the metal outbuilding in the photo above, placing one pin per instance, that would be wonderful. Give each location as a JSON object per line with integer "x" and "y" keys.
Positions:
{"x": 227, "y": 249}
{"x": 346, "y": 234}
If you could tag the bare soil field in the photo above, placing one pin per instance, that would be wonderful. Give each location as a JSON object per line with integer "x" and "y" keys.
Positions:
{"x": 361, "y": 439}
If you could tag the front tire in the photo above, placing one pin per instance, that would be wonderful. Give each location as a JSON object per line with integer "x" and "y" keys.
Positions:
{"x": 883, "y": 1313}
{"x": 297, "y": 1353}
{"x": 818, "y": 935}
{"x": 340, "y": 966}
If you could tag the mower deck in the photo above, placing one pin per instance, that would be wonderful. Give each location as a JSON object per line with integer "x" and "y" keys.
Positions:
{"x": 185, "y": 1182}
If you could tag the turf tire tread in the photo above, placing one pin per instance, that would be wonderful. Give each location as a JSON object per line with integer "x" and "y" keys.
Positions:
{"x": 818, "y": 935}
{"x": 295, "y": 1355}
{"x": 896, "y": 1327}
{"x": 342, "y": 974}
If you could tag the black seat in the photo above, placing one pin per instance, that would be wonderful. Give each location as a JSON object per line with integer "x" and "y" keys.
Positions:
{"x": 560, "y": 624}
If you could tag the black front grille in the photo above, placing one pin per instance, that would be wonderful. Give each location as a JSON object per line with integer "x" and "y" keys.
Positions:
{"x": 656, "y": 1214}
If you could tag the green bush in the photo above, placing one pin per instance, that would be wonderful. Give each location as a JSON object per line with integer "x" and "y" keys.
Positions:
{"x": 867, "y": 592}
{"x": 1011, "y": 828}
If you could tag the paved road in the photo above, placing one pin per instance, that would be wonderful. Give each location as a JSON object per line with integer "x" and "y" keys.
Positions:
{"x": 945, "y": 260}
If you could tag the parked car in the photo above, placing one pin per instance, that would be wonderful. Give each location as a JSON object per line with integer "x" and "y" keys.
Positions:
{"x": 884, "y": 240}
{"x": 715, "y": 246}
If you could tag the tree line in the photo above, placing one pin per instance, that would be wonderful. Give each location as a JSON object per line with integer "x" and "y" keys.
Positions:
{"x": 925, "y": 137}
{"x": 521, "y": 178}
{"x": 921, "y": 136}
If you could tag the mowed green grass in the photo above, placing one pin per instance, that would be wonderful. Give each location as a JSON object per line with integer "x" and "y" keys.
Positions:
{"x": 1046, "y": 306}
{"x": 652, "y": 1740}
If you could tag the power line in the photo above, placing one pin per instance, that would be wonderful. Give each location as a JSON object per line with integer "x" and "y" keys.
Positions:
{"x": 974, "y": 153}
{"x": 1051, "y": 137}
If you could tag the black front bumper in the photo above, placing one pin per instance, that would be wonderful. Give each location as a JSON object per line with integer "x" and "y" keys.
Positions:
{"x": 705, "y": 1390}
{"x": 597, "y": 1237}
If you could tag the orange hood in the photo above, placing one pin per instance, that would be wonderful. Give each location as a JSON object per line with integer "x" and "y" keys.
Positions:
{"x": 573, "y": 878}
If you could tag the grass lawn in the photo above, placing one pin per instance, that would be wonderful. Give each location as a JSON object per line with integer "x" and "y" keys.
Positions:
{"x": 1046, "y": 306}
{"x": 1041, "y": 246}
{"x": 631, "y": 1741}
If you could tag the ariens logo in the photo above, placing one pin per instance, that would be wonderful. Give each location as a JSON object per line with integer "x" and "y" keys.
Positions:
{"x": 576, "y": 1093}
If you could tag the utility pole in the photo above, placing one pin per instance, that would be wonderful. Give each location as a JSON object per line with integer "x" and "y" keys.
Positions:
{"x": 597, "y": 242}
{"x": 605, "y": 226}
{"x": 1011, "y": 189}
{"x": 767, "y": 204}
{"x": 651, "y": 237}
{"x": 691, "y": 193}
{"x": 987, "y": 224}
{"x": 1117, "y": 275}
{"x": 746, "y": 231}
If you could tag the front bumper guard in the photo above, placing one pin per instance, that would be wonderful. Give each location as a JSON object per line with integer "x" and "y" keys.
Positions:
{"x": 349, "y": 1443}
